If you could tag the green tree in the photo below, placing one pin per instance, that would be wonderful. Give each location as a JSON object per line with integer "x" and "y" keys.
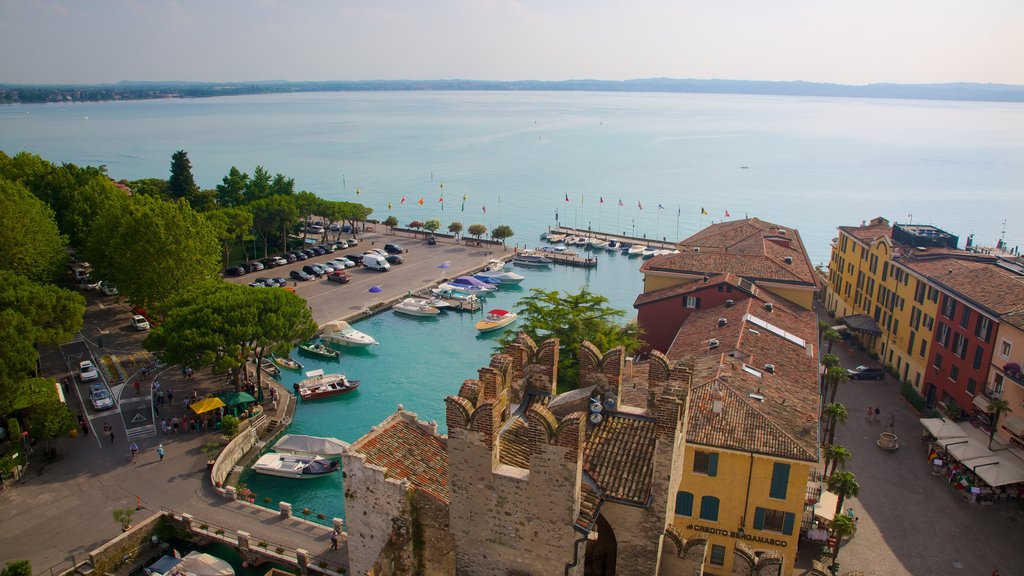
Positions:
{"x": 353, "y": 213}
{"x": 231, "y": 226}
{"x": 49, "y": 420}
{"x": 842, "y": 527}
{"x": 17, "y": 568}
{"x": 390, "y": 222}
{"x": 835, "y": 414}
{"x": 181, "y": 184}
{"x": 307, "y": 204}
{"x": 225, "y": 325}
{"x": 54, "y": 313}
{"x": 258, "y": 186}
{"x": 837, "y": 456}
{"x": 231, "y": 190}
{"x": 832, "y": 336}
{"x": 843, "y": 484}
{"x": 432, "y": 225}
{"x": 822, "y": 326}
{"x": 996, "y": 408}
{"x": 502, "y": 233}
{"x": 573, "y": 318}
{"x": 456, "y": 229}
{"x": 272, "y": 215}
{"x": 477, "y": 230}
{"x": 229, "y": 425}
{"x": 155, "y": 187}
{"x": 835, "y": 376}
{"x": 29, "y": 240}
{"x": 123, "y": 517}
{"x": 282, "y": 185}
{"x": 153, "y": 249}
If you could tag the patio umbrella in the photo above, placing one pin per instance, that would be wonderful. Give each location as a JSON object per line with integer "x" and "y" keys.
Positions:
{"x": 236, "y": 398}
{"x": 444, "y": 264}
{"x": 376, "y": 289}
{"x": 206, "y": 405}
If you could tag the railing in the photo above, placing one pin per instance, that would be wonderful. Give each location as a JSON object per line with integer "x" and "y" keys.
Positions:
{"x": 993, "y": 393}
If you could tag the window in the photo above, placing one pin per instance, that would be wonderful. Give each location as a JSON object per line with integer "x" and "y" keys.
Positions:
{"x": 933, "y": 295}
{"x": 692, "y": 302}
{"x": 954, "y": 372}
{"x": 684, "y": 504}
{"x": 979, "y": 352}
{"x": 924, "y": 348}
{"x": 965, "y": 317}
{"x": 774, "y": 520}
{"x": 943, "y": 335}
{"x": 910, "y": 344}
{"x": 717, "y": 555}
{"x": 972, "y": 385}
{"x": 709, "y": 508}
{"x": 1004, "y": 349}
{"x": 938, "y": 360}
{"x": 948, "y": 306}
{"x": 780, "y": 481}
{"x": 959, "y": 345}
{"x": 984, "y": 328}
{"x": 705, "y": 463}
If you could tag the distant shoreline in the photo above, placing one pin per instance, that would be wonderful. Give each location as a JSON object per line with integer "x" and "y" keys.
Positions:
{"x": 69, "y": 93}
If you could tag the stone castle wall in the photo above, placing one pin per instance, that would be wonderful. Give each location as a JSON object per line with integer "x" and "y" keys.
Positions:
{"x": 372, "y": 501}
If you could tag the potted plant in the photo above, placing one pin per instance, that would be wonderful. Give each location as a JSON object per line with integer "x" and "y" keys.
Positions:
{"x": 211, "y": 450}
{"x": 123, "y": 516}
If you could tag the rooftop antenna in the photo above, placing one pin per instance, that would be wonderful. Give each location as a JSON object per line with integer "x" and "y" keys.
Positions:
{"x": 1002, "y": 236}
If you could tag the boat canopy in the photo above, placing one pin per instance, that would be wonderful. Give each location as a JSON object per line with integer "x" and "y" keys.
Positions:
{"x": 498, "y": 312}
{"x": 314, "y": 373}
{"x": 321, "y": 446}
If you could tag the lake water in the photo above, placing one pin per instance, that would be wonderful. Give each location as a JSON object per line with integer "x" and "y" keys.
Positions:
{"x": 810, "y": 164}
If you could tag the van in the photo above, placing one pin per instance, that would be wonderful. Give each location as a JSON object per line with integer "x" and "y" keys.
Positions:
{"x": 376, "y": 262}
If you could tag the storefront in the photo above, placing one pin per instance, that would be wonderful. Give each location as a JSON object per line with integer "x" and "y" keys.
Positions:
{"x": 980, "y": 475}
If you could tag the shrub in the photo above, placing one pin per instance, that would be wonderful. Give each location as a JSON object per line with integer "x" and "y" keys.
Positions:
{"x": 913, "y": 397}
{"x": 229, "y": 425}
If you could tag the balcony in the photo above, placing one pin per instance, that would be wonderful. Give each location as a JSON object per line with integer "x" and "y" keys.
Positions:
{"x": 1012, "y": 371}
{"x": 993, "y": 393}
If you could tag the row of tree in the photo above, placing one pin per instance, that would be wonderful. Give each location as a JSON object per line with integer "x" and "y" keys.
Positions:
{"x": 500, "y": 233}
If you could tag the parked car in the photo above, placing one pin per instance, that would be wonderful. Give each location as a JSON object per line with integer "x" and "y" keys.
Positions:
{"x": 87, "y": 371}
{"x": 432, "y": 240}
{"x": 344, "y": 262}
{"x": 140, "y": 323}
{"x": 329, "y": 248}
{"x": 237, "y": 271}
{"x": 279, "y": 261}
{"x": 328, "y": 267}
{"x": 865, "y": 373}
{"x": 341, "y": 244}
{"x": 339, "y": 276}
{"x": 356, "y": 259}
{"x": 313, "y": 270}
{"x": 100, "y": 397}
{"x": 335, "y": 227}
{"x": 300, "y": 256}
{"x": 394, "y": 259}
{"x": 108, "y": 289}
{"x": 253, "y": 266}
{"x": 352, "y": 242}
{"x": 300, "y": 275}
{"x": 281, "y": 282}
{"x": 319, "y": 250}
{"x": 310, "y": 253}
{"x": 393, "y": 249}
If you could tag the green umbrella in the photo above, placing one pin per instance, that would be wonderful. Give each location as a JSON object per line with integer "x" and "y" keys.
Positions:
{"x": 236, "y": 398}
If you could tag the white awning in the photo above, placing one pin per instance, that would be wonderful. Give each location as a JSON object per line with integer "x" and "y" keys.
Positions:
{"x": 942, "y": 428}
{"x": 1005, "y": 471}
{"x": 1015, "y": 424}
{"x": 965, "y": 449}
{"x": 981, "y": 402}
{"x": 826, "y": 506}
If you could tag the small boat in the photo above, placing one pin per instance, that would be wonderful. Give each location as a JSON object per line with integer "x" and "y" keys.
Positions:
{"x": 552, "y": 237}
{"x": 496, "y": 320}
{"x": 648, "y": 253}
{"x": 450, "y": 294}
{"x": 624, "y": 247}
{"x": 612, "y": 246}
{"x": 294, "y": 466}
{"x": 288, "y": 363}
{"x": 583, "y": 241}
{"x": 319, "y": 349}
{"x": 416, "y": 307}
{"x": 195, "y": 563}
{"x": 318, "y": 385}
{"x": 636, "y": 250}
{"x": 268, "y": 366}
{"x": 569, "y": 240}
{"x": 310, "y": 446}
{"x": 342, "y": 334}
{"x": 530, "y": 259}
{"x": 598, "y": 244}
{"x": 495, "y": 270}
{"x": 469, "y": 285}
{"x": 564, "y": 250}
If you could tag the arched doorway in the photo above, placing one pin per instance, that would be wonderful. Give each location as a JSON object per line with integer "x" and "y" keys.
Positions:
{"x": 601, "y": 553}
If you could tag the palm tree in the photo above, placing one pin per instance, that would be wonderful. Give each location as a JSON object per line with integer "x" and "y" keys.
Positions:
{"x": 835, "y": 376}
{"x": 997, "y": 408}
{"x": 835, "y": 414}
{"x": 843, "y": 484}
{"x": 832, "y": 337}
{"x": 842, "y": 526}
{"x": 822, "y": 326}
{"x": 838, "y": 456}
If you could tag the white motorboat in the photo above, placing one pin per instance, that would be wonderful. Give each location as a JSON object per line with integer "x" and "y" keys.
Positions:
{"x": 456, "y": 295}
{"x": 648, "y": 253}
{"x": 416, "y": 307}
{"x": 530, "y": 259}
{"x": 636, "y": 250}
{"x": 468, "y": 284}
{"x": 318, "y": 385}
{"x": 294, "y": 466}
{"x": 343, "y": 334}
{"x": 553, "y": 237}
{"x": 495, "y": 270}
{"x": 612, "y": 246}
{"x": 598, "y": 244}
{"x": 311, "y": 446}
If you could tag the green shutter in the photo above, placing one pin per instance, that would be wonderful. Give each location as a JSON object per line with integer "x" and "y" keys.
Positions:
{"x": 709, "y": 508}
{"x": 713, "y": 464}
{"x": 780, "y": 481}
{"x": 684, "y": 504}
{"x": 758, "y": 518}
{"x": 787, "y": 523}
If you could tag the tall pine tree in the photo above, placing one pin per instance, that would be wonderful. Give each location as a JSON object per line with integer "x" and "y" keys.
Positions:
{"x": 181, "y": 183}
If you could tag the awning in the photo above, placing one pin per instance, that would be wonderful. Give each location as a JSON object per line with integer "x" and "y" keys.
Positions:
{"x": 942, "y": 428}
{"x": 981, "y": 402}
{"x": 862, "y": 323}
{"x": 236, "y": 398}
{"x": 965, "y": 449}
{"x": 1015, "y": 424}
{"x": 826, "y": 506}
{"x": 206, "y": 405}
{"x": 1000, "y": 473}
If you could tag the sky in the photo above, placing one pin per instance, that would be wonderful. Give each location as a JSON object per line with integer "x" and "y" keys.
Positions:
{"x": 868, "y": 41}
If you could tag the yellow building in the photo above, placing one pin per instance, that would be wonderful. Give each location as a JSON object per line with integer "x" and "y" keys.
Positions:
{"x": 1006, "y": 381}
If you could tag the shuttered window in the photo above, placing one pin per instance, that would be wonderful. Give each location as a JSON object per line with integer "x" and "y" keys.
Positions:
{"x": 780, "y": 481}
{"x": 709, "y": 508}
{"x": 684, "y": 504}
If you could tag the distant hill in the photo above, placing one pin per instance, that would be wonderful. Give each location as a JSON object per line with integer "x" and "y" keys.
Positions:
{"x": 14, "y": 93}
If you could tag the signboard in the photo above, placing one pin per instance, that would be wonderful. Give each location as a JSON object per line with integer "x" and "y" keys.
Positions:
{"x": 831, "y": 542}
{"x": 738, "y": 535}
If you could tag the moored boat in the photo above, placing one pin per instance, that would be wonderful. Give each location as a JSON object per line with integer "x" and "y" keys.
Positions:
{"x": 268, "y": 366}
{"x": 452, "y": 294}
{"x": 318, "y": 385}
{"x": 612, "y": 246}
{"x": 287, "y": 362}
{"x": 342, "y": 334}
{"x": 648, "y": 253}
{"x": 319, "y": 350}
{"x": 530, "y": 259}
{"x": 416, "y": 307}
{"x": 495, "y": 320}
{"x": 636, "y": 250}
{"x": 497, "y": 273}
{"x": 294, "y": 466}
{"x": 302, "y": 445}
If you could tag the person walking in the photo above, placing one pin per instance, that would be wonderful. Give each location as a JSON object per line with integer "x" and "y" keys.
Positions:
{"x": 108, "y": 431}
{"x": 878, "y": 413}
{"x": 135, "y": 451}
{"x": 85, "y": 427}
{"x": 160, "y": 452}
{"x": 334, "y": 539}
{"x": 170, "y": 397}
{"x": 175, "y": 424}
{"x": 138, "y": 387}
{"x": 870, "y": 414}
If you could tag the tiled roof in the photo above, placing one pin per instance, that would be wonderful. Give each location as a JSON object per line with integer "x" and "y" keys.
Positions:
{"x": 978, "y": 280}
{"x": 408, "y": 450}
{"x": 590, "y": 503}
{"x": 668, "y": 292}
{"x": 785, "y": 423}
{"x": 514, "y": 445}
{"x": 869, "y": 232}
{"x": 1015, "y": 319}
{"x": 618, "y": 456}
{"x": 749, "y": 248}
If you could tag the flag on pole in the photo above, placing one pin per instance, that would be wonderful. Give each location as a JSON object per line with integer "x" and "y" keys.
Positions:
{"x": 679, "y": 211}
{"x": 357, "y": 191}
{"x": 581, "y": 199}
{"x": 442, "y": 201}
{"x": 389, "y": 205}
{"x": 484, "y": 209}
{"x": 421, "y": 201}
{"x": 660, "y": 207}
{"x": 620, "y": 201}
{"x": 601, "y": 198}
{"x": 639, "y": 205}
{"x": 566, "y": 196}
{"x": 703, "y": 212}
{"x": 402, "y": 201}
{"x": 726, "y": 213}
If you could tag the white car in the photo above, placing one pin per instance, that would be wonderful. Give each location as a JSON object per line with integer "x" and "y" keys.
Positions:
{"x": 100, "y": 398}
{"x": 345, "y": 262}
{"x": 140, "y": 323}
{"x": 87, "y": 371}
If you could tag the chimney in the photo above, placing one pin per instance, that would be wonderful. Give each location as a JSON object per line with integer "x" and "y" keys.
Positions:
{"x": 722, "y": 322}
{"x": 768, "y": 306}
{"x": 769, "y": 368}
{"x": 788, "y": 259}
{"x": 712, "y": 344}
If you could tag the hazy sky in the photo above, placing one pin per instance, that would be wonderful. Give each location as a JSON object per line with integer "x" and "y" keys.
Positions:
{"x": 912, "y": 41}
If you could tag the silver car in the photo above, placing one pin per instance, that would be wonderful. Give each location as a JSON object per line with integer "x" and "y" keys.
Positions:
{"x": 100, "y": 397}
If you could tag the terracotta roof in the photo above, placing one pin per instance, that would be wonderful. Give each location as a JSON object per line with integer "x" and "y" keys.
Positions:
{"x": 514, "y": 443}
{"x": 590, "y": 505}
{"x": 1015, "y": 319}
{"x": 869, "y": 232}
{"x": 750, "y": 248}
{"x": 408, "y": 449}
{"x": 784, "y": 423}
{"x": 618, "y": 456}
{"x": 977, "y": 280}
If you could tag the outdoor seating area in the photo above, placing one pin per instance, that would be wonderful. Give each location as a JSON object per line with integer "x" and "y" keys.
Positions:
{"x": 980, "y": 475}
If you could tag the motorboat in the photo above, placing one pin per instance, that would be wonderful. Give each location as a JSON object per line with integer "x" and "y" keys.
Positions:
{"x": 564, "y": 250}
{"x": 416, "y": 307}
{"x": 598, "y": 244}
{"x": 268, "y": 366}
{"x": 569, "y": 240}
{"x": 287, "y": 362}
{"x": 648, "y": 253}
{"x": 294, "y": 466}
{"x": 318, "y": 385}
{"x": 552, "y": 237}
{"x": 583, "y": 240}
{"x": 452, "y": 294}
{"x": 496, "y": 320}
{"x": 495, "y": 270}
{"x": 636, "y": 250}
{"x": 302, "y": 445}
{"x": 319, "y": 349}
{"x": 343, "y": 334}
{"x": 470, "y": 284}
{"x": 530, "y": 259}
{"x": 612, "y": 246}
{"x": 624, "y": 247}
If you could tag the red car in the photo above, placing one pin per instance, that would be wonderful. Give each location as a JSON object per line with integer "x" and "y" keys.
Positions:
{"x": 339, "y": 276}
